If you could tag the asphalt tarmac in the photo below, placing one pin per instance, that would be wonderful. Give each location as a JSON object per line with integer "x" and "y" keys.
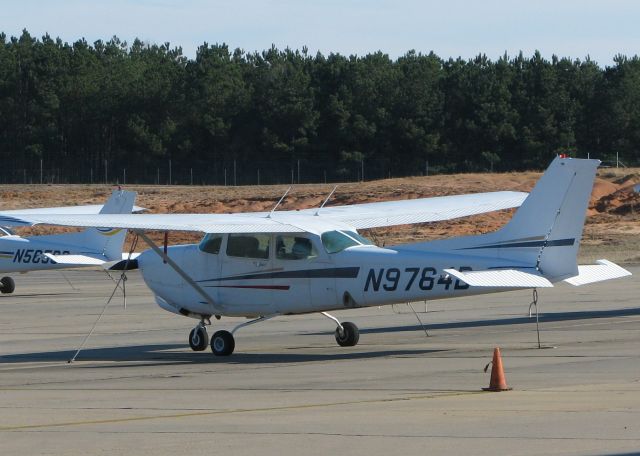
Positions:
{"x": 137, "y": 388}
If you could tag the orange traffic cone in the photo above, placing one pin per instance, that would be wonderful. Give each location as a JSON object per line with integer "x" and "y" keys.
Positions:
{"x": 497, "y": 382}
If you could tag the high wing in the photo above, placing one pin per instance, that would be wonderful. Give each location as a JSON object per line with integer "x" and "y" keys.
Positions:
{"x": 422, "y": 210}
{"x": 63, "y": 210}
{"x": 369, "y": 215}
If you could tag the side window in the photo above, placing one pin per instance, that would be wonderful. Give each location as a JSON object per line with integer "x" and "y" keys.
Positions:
{"x": 211, "y": 243}
{"x": 248, "y": 245}
{"x": 294, "y": 248}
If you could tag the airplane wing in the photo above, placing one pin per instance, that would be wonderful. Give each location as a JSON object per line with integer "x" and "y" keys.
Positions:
{"x": 63, "y": 210}
{"x": 422, "y": 210}
{"x": 369, "y": 215}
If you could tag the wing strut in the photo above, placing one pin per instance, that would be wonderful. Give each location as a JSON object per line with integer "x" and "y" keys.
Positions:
{"x": 278, "y": 203}
{"x": 178, "y": 269}
{"x": 326, "y": 200}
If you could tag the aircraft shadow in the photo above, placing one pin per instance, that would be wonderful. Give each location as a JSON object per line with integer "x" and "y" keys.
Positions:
{"x": 39, "y": 295}
{"x": 158, "y": 354}
{"x": 548, "y": 317}
{"x": 162, "y": 354}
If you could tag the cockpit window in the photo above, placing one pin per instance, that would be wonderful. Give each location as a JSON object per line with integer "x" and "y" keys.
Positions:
{"x": 5, "y": 231}
{"x": 248, "y": 245}
{"x": 211, "y": 243}
{"x": 294, "y": 248}
{"x": 337, "y": 241}
{"x": 361, "y": 239}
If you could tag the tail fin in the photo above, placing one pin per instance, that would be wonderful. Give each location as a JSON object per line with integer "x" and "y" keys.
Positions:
{"x": 545, "y": 232}
{"x": 109, "y": 241}
{"x": 105, "y": 242}
{"x": 549, "y": 224}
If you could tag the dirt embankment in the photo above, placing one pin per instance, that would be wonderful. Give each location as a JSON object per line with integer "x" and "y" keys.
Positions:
{"x": 612, "y": 226}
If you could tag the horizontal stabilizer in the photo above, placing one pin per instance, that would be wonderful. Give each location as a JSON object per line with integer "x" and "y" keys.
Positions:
{"x": 78, "y": 260}
{"x": 124, "y": 265}
{"x": 602, "y": 270}
{"x": 505, "y": 278}
{"x": 95, "y": 260}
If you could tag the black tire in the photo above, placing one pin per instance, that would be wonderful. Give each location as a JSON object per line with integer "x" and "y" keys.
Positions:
{"x": 222, "y": 343}
{"x": 8, "y": 285}
{"x": 198, "y": 339}
{"x": 350, "y": 335}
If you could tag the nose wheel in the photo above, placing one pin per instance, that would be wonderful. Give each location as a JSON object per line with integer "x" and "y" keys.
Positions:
{"x": 198, "y": 338}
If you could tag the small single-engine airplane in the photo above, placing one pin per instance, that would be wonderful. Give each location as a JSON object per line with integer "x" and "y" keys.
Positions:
{"x": 91, "y": 247}
{"x": 261, "y": 265}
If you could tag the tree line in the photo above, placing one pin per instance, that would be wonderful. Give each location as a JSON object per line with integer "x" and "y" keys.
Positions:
{"x": 112, "y": 110}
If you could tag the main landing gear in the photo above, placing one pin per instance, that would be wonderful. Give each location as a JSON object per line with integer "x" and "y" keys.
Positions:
{"x": 7, "y": 285}
{"x": 347, "y": 333}
{"x": 222, "y": 343}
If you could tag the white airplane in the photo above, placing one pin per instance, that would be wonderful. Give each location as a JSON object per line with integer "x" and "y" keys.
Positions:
{"x": 261, "y": 265}
{"x": 93, "y": 246}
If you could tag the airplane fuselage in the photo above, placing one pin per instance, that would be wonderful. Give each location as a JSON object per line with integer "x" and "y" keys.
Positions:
{"x": 357, "y": 276}
{"x": 18, "y": 254}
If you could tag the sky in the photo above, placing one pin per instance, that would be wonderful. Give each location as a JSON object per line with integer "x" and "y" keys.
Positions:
{"x": 451, "y": 28}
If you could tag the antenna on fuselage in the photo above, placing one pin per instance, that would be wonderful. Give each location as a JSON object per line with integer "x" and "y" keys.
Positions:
{"x": 278, "y": 203}
{"x": 326, "y": 199}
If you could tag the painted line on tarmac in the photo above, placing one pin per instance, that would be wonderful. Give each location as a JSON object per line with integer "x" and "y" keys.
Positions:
{"x": 227, "y": 411}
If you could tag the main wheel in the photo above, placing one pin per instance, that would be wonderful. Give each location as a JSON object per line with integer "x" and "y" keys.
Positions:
{"x": 8, "y": 285}
{"x": 198, "y": 339}
{"x": 350, "y": 335}
{"x": 222, "y": 343}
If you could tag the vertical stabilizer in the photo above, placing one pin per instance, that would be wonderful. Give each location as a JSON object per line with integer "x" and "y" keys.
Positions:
{"x": 105, "y": 241}
{"x": 549, "y": 224}
{"x": 545, "y": 232}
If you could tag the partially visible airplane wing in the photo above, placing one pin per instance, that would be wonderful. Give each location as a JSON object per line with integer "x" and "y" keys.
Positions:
{"x": 390, "y": 213}
{"x": 369, "y": 215}
{"x": 64, "y": 210}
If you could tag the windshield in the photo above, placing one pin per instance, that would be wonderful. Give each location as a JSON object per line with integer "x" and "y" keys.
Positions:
{"x": 211, "y": 243}
{"x": 337, "y": 241}
{"x": 5, "y": 231}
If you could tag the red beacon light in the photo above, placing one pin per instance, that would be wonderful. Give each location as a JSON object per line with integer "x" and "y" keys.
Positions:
{"x": 564, "y": 155}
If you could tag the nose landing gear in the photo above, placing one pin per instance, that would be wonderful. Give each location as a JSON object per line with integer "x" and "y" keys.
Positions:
{"x": 198, "y": 337}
